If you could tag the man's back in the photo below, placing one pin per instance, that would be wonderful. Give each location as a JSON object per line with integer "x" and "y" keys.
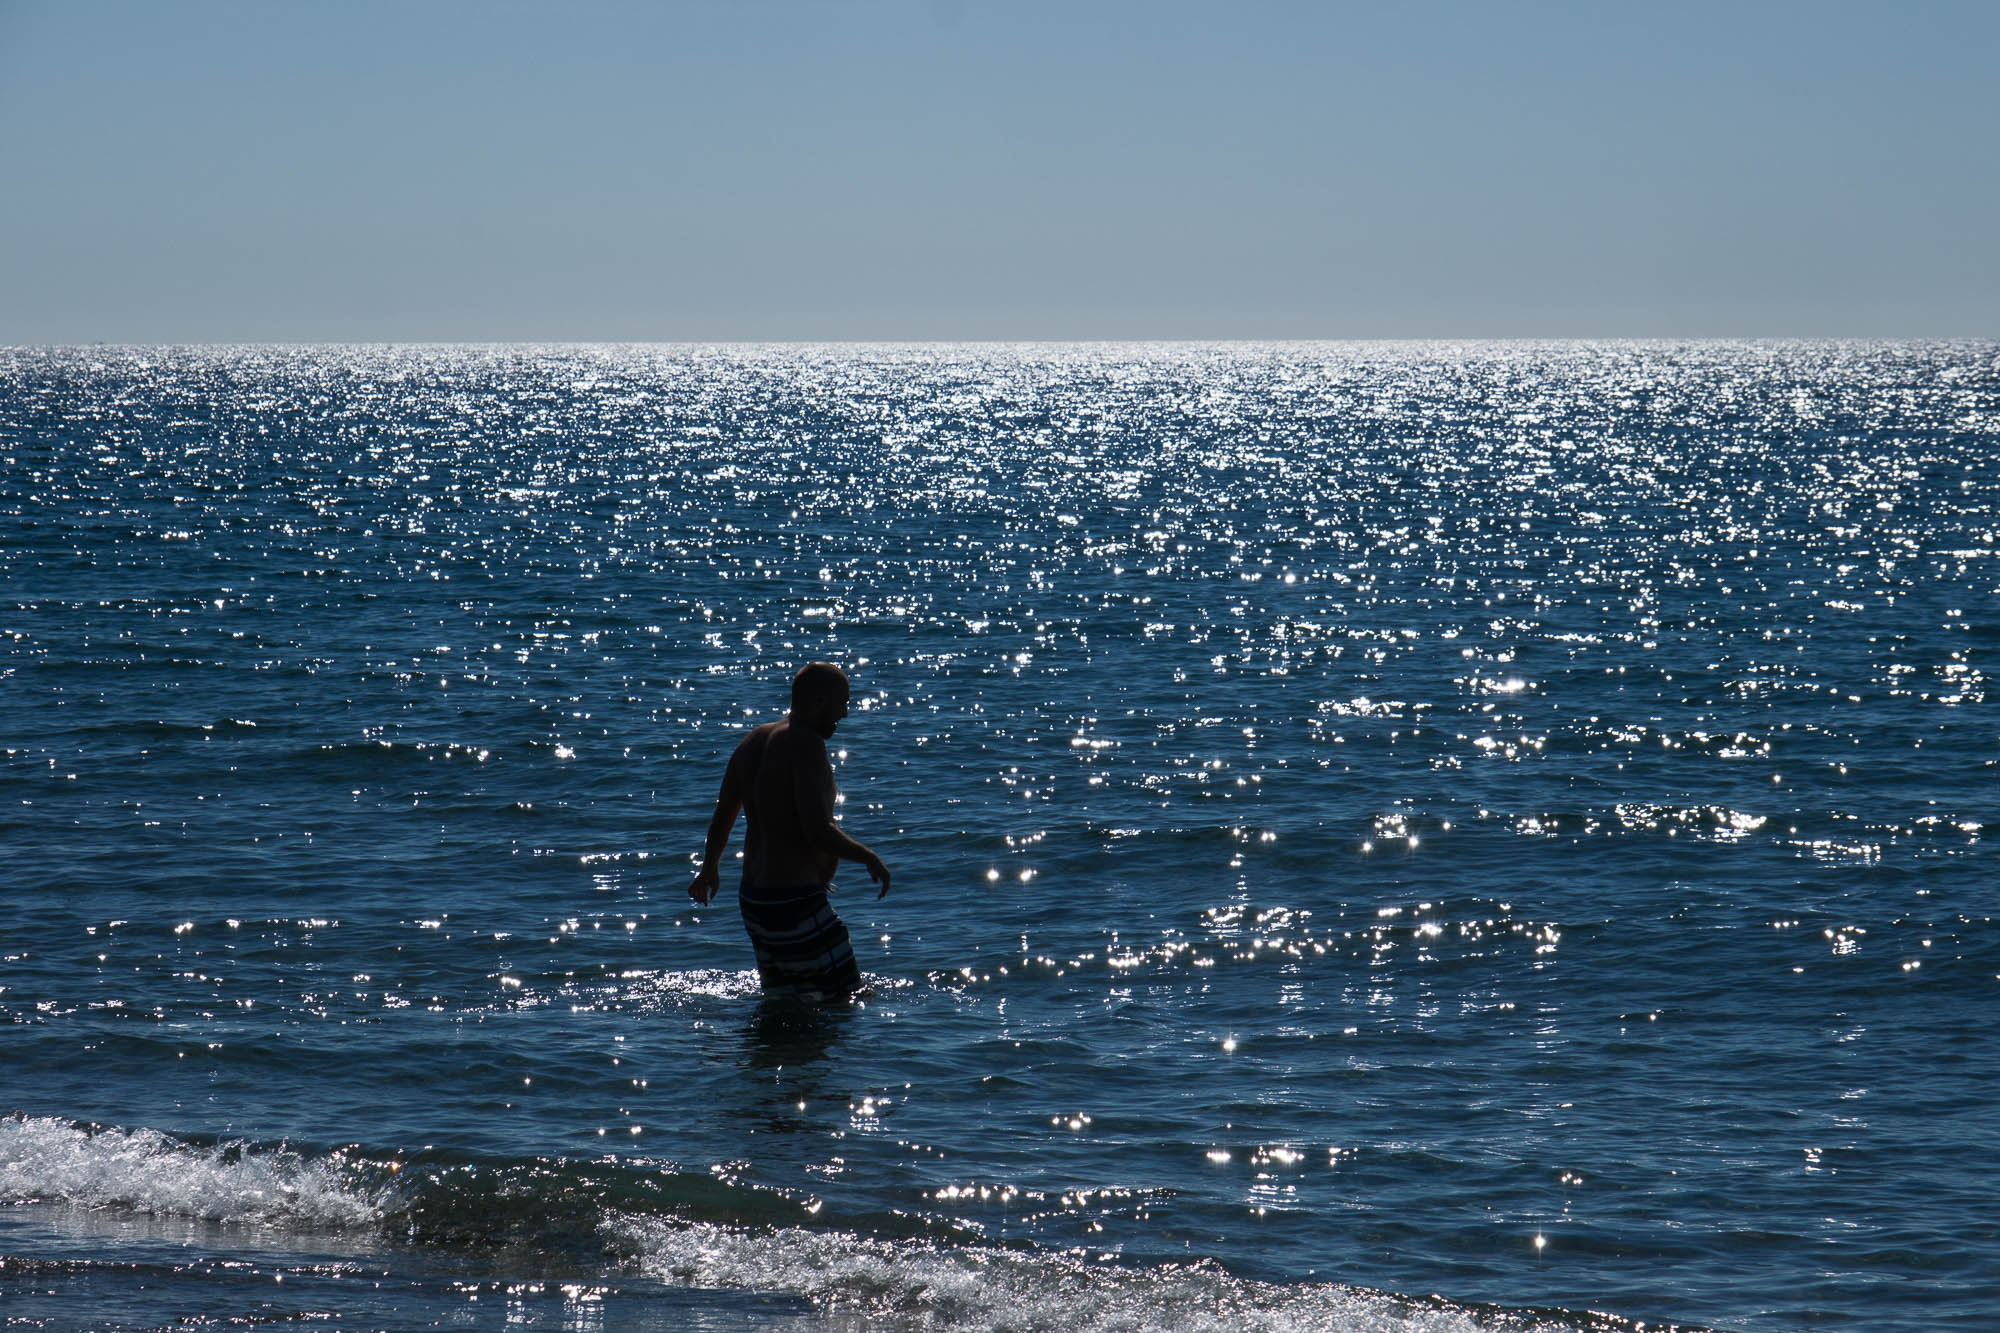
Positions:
{"x": 788, "y": 798}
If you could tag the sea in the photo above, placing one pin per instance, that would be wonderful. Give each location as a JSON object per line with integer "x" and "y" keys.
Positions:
{"x": 1391, "y": 837}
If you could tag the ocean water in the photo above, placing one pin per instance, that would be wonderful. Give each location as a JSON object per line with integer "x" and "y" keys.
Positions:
{"x": 1386, "y": 837}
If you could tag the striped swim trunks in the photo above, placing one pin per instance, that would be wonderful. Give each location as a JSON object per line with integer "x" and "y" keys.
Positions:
{"x": 800, "y": 943}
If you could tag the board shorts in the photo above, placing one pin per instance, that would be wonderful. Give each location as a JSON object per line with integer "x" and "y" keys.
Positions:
{"x": 801, "y": 945}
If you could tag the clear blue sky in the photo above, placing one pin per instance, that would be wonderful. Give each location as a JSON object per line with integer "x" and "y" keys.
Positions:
{"x": 438, "y": 169}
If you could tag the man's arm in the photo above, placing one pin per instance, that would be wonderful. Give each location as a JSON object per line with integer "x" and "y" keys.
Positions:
{"x": 812, "y": 789}
{"x": 728, "y": 804}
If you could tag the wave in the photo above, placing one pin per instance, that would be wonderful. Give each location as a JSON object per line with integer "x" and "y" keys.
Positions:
{"x": 44, "y": 1160}
{"x": 572, "y": 1210}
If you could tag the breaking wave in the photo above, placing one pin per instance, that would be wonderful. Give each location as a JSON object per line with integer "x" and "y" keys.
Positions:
{"x": 905, "y": 1282}
{"x": 46, "y": 1160}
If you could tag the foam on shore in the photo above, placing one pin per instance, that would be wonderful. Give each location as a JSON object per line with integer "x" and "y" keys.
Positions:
{"x": 921, "y": 1284}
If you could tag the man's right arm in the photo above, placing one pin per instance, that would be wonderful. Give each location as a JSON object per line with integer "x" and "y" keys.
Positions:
{"x": 728, "y": 804}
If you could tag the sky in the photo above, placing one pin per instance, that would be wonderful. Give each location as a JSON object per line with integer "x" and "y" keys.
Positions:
{"x": 447, "y": 170}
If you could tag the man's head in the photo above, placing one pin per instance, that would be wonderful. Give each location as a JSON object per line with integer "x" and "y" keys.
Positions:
{"x": 819, "y": 697}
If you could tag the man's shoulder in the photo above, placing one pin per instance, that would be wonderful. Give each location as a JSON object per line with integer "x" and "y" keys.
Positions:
{"x": 780, "y": 739}
{"x": 785, "y": 739}
{"x": 754, "y": 742}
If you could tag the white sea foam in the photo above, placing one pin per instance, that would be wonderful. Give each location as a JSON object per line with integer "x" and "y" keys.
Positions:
{"x": 43, "y": 1159}
{"x": 918, "y": 1284}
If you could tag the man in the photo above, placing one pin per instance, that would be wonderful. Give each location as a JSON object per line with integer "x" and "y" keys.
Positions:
{"x": 781, "y": 779}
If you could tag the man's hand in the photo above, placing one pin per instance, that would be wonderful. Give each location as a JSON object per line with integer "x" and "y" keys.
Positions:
{"x": 706, "y": 885}
{"x": 879, "y": 873}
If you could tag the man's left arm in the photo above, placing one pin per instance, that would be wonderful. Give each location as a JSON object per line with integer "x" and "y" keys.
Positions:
{"x": 813, "y": 793}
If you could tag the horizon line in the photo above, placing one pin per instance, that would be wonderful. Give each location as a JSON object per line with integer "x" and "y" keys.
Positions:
{"x": 1035, "y": 341}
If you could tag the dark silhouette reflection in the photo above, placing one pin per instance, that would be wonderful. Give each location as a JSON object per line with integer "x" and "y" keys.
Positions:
{"x": 787, "y": 1064}
{"x": 790, "y": 1031}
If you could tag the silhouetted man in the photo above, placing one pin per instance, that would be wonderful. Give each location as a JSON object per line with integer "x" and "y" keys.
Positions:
{"x": 781, "y": 779}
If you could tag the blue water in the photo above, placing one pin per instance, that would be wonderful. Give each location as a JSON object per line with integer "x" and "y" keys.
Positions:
{"x": 1420, "y": 836}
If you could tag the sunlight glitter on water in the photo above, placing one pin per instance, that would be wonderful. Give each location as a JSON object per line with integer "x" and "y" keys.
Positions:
{"x": 1466, "y": 769}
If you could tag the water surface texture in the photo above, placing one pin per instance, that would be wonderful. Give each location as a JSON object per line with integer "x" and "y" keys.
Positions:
{"x": 1430, "y": 837}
